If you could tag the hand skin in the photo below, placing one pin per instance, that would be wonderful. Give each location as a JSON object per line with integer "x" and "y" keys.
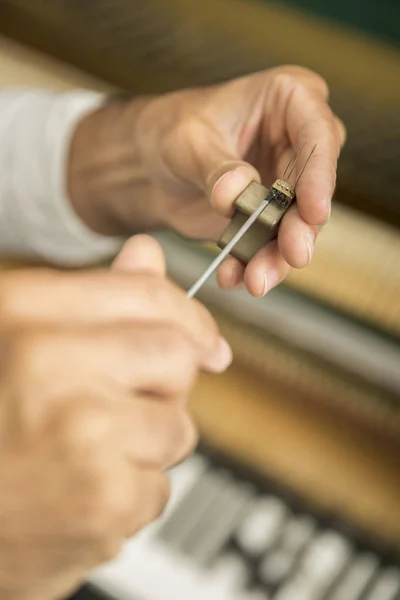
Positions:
{"x": 96, "y": 368}
{"x": 181, "y": 159}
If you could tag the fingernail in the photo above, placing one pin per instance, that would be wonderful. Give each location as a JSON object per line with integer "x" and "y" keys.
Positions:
{"x": 310, "y": 241}
{"x": 270, "y": 280}
{"x": 230, "y": 185}
{"x": 236, "y": 278}
{"x": 221, "y": 357}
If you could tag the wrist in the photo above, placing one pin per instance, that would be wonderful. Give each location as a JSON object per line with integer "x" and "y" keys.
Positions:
{"x": 108, "y": 184}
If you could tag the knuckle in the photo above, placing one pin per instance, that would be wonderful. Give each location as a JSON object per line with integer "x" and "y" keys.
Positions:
{"x": 182, "y": 438}
{"x": 318, "y": 82}
{"x": 113, "y": 506}
{"x": 110, "y": 511}
{"x": 188, "y": 437}
{"x": 192, "y": 128}
{"x": 32, "y": 354}
{"x": 151, "y": 495}
{"x": 286, "y": 79}
{"x": 161, "y": 492}
{"x": 159, "y": 293}
{"x": 189, "y": 125}
{"x": 84, "y": 428}
{"x": 321, "y": 84}
{"x": 177, "y": 344}
{"x": 289, "y": 77}
{"x": 182, "y": 358}
{"x": 16, "y": 290}
{"x": 26, "y": 350}
{"x": 8, "y": 300}
{"x": 105, "y": 506}
{"x": 23, "y": 359}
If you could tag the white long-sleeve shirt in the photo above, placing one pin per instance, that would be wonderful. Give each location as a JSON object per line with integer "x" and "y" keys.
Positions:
{"x": 37, "y": 220}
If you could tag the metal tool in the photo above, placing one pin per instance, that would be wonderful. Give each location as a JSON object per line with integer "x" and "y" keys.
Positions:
{"x": 281, "y": 195}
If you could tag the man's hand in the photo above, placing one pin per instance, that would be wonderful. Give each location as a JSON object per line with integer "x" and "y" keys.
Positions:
{"x": 96, "y": 368}
{"x": 181, "y": 160}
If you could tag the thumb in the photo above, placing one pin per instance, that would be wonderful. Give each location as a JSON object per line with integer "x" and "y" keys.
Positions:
{"x": 228, "y": 186}
{"x": 141, "y": 253}
{"x": 224, "y": 177}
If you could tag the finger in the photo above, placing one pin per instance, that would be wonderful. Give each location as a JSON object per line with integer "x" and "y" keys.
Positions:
{"x": 156, "y": 434}
{"x": 150, "y": 432}
{"x": 265, "y": 271}
{"x": 166, "y": 360}
{"x": 125, "y": 498}
{"x": 148, "y": 491}
{"x": 141, "y": 253}
{"x": 110, "y": 364}
{"x": 308, "y": 117}
{"x": 103, "y": 297}
{"x": 117, "y": 495}
{"x": 296, "y": 239}
{"x": 230, "y": 275}
{"x": 342, "y": 131}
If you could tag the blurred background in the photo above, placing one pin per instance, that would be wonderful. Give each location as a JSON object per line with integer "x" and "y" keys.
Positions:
{"x": 304, "y": 430}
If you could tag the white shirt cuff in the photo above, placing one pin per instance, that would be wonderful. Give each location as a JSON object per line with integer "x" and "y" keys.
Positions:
{"x": 37, "y": 219}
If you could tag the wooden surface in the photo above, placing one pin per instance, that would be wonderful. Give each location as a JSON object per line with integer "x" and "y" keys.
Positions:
{"x": 21, "y": 67}
{"x": 337, "y": 467}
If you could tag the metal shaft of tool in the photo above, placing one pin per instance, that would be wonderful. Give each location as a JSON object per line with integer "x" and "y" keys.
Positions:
{"x": 224, "y": 253}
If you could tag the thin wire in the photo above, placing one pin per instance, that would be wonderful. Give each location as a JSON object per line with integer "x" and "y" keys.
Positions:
{"x": 295, "y": 162}
{"x": 224, "y": 253}
{"x": 291, "y": 156}
{"x": 305, "y": 165}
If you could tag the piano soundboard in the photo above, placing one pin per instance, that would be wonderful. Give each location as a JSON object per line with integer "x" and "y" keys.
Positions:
{"x": 228, "y": 534}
